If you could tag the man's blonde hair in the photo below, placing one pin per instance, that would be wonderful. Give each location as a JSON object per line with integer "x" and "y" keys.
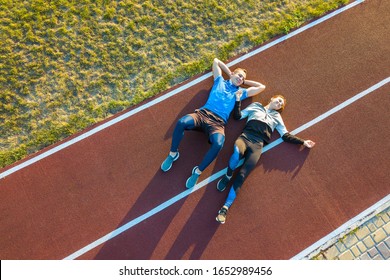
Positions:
{"x": 240, "y": 69}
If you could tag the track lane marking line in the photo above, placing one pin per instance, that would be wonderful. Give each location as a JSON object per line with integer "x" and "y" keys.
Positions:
{"x": 170, "y": 94}
{"x": 215, "y": 176}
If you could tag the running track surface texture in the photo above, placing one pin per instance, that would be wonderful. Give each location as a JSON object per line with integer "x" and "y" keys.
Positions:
{"x": 101, "y": 194}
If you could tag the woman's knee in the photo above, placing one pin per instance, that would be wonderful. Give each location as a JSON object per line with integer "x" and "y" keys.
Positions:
{"x": 235, "y": 158}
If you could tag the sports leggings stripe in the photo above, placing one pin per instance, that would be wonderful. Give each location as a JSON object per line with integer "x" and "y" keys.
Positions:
{"x": 187, "y": 123}
{"x": 251, "y": 153}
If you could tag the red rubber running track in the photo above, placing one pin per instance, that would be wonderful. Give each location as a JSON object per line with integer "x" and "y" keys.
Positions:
{"x": 64, "y": 202}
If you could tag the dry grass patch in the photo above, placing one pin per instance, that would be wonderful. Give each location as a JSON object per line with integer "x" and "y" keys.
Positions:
{"x": 65, "y": 65}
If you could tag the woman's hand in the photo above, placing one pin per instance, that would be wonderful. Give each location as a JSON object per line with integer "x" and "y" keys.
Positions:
{"x": 308, "y": 143}
{"x": 238, "y": 94}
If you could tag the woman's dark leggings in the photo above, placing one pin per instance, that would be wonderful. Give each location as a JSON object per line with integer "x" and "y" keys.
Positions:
{"x": 251, "y": 153}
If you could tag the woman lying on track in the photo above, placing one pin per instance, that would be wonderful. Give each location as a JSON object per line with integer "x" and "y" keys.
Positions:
{"x": 262, "y": 121}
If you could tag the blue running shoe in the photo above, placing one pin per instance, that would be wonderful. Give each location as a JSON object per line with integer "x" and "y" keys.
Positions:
{"x": 191, "y": 182}
{"x": 167, "y": 163}
{"x": 222, "y": 183}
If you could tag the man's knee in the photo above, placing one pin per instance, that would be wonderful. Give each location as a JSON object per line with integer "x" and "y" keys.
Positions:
{"x": 217, "y": 141}
{"x": 185, "y": 122}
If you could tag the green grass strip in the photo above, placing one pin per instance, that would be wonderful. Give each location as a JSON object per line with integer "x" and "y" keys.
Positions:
{"x": 65, "y": 64}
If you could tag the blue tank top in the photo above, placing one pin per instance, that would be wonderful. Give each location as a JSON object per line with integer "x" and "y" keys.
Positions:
{"x": 222, "y": 97}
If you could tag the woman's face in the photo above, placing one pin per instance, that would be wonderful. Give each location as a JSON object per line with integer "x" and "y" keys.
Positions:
{"x": 276, "y": 103}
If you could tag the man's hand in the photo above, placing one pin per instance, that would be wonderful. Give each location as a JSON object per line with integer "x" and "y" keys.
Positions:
{"x": 219, "y": 67}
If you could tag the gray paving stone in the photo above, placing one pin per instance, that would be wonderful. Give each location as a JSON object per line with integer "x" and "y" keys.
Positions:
{"x": 387, "y": 241}
{"x": 368, "y": 241}
{"x": 361, "y": 246}
{"x": 347, "y": 255}
{"x": 362, "y": 232}
{"x": 350, "y": 240}
{"x": 386, "y": 227}
{"x": 379, "y": 235}
{"x": 371, "y": 226}
{"x": 373, "y": 252}
{"x": 365, "y": 256}
{"x": 355, "y": 251}
{"x": 384, "y": 250}
{"x": 378, "y": 222}
{"x": 341, "y": 246}
{"x": 385, "y": 217}
{"x": 331, "y": 253}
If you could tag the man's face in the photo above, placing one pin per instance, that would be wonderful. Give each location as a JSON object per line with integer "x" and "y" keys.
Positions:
{"x": 238, "y": 77}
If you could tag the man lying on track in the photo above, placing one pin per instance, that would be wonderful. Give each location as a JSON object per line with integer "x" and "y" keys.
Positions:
{"x": 213, "y": 116}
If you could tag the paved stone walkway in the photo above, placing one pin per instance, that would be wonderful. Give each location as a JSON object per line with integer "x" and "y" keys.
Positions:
{"x": 369, "y": 241}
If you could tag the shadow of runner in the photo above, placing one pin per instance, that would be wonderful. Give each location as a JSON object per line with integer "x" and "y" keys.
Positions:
{"x": 201, "y": 226}
{"x": 286, "y": 157}
{"x": 199, "y": 229}
{"x": 141, "y": 241}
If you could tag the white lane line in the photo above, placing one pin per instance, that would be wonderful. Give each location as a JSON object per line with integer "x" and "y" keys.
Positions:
{"x": 296, "y": 32}
{"x": 213, "y": 177}
{"x": 170, "y": 94}
{"x": 353, "y": 223}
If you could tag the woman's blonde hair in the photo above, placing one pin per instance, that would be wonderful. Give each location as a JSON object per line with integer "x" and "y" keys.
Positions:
{"x": 284, "y": 101}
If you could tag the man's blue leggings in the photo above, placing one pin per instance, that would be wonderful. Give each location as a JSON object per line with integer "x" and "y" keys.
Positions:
{"x": 216, "y": 140}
